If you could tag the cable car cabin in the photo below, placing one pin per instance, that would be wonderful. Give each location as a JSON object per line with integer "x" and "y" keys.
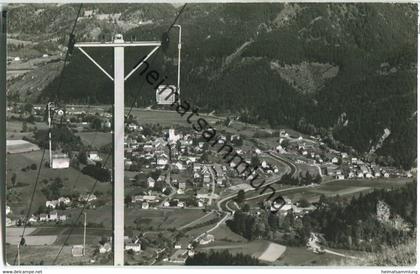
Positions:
{"x": 118, "y": 38}
{"x": 166, "y": 95}
{"x": 60, "y": 161}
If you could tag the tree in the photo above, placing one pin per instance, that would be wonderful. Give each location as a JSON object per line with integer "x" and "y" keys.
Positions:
{"x": 14, "y": 179}
{"x": 96, "y": 123}
{"x": 285, "y": 143}
{"x": 255, "y": 161}
{"x": 303, "y": 203}
{"x": 97, "y": 172}
{"x": 241, "y": 196}
{"x": 28, "y": 108}
{"x": 82, "y": 157}
{"x": 245, "y": 208}
{"x": 24, "y": 126}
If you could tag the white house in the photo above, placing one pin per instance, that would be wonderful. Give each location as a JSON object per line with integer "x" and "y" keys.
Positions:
{"x": 162, "y": 160}
{"x": 182, "y": 185}
{"x": 197, "y": 167}
{"x": 132, "y": 246}
{"x": 172, "y": 136}
{"x": 206, "y": 178}
{"x": 60, "y": 161}
{"x": 8, "y": 210}
{"x": 62, "y": 218}
{"x": 77, "y": 251}
{"x": 87, "y": 197}
{"x": 145, "y": 198}
{"x": 207, "y": 239}
{"x": 105, "y": 248}
{"x": 64, "y": 200}
{"x": 132, "y": 127}
{"x": 53, "y": 216}
{"x": 94, "y": 156}
{"x": 264, "y": 164}
{"x": 33, "y": 219}
{"x": 151, "y": 182}
{"x": 43, "y": 217}
{"x": 180, "y": 166}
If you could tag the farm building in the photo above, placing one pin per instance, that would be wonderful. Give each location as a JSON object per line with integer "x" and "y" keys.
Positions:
{"x": 77, "y": 251}
{"x": 133, "y": 246}
{"x": 60, "y": 161}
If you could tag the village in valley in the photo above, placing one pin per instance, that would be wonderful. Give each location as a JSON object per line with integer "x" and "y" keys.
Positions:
{"x": 303, "y": 94}
{"x": 180, "y": 192}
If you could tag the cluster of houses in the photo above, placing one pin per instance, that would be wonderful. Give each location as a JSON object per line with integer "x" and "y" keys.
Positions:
{"x": 268, "y": 168}
{"x": 353, "y": 168}
{"x": 340, "y": 165}
{"x": 132, "y": 244}
{"x": 59, "y": 202}
{"x": 65, "y": 202}
{"x": 177, "y": 152}
{"x": 158, "y": 151}
{"x": 53, "y": 216}
{"x": 207, "y": 173}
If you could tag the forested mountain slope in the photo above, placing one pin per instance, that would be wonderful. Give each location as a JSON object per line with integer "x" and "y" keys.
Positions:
{"x": 347, "y": 71}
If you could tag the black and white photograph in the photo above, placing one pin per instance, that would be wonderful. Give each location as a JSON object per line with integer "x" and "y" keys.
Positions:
{"x": 209, "y": 134}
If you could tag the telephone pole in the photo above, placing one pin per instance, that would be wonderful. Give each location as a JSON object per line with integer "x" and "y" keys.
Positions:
{"x": 119, "y": 79}
{"x": 84, "y": 237}
{"x": 49, "y": 133}
{"x": 18, "y": 254}
{"x": 3, "y": 63}
{"x": 179, "y": 62}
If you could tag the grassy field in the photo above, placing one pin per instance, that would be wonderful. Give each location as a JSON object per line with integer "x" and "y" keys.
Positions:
{"x": 272, "y": 252}
{"x": 56, "y": 235}
{"x": 14, "y": 128}
{"x": 223, "y": 233}
{"x": 164, "y": 118}
{"x": 31, "y": 255}
{"x": 163, "y": 218}
{"x": 101, "y": 215}
{"x": 300, "y": 256}
{"x": 95, "y": 139}
{"x": 73, "y": 180}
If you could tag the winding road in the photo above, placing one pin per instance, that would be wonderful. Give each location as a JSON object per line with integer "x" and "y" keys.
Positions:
{"x": 223, "y": 204}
